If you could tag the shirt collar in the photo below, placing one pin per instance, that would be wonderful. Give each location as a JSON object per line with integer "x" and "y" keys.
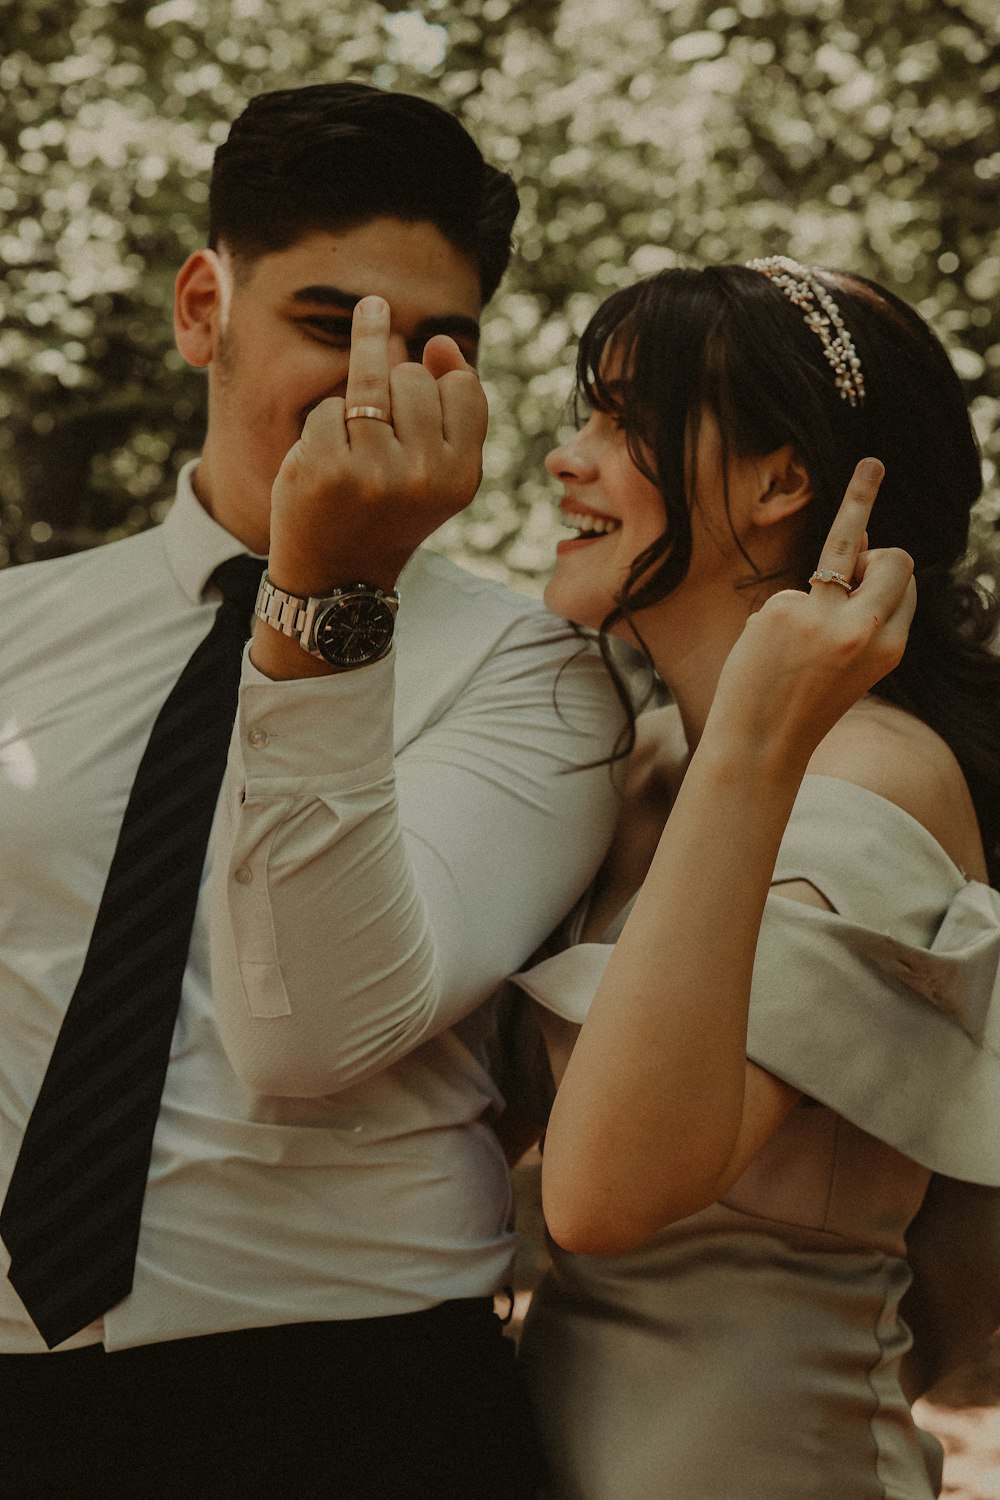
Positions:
{"x": 195, "y": 544}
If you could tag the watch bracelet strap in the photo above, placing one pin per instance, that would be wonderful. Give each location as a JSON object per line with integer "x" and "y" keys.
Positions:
{"x": 289, "y": 613}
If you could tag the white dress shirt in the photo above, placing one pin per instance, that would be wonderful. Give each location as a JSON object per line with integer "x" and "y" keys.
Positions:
{"x": 373, "y": 905}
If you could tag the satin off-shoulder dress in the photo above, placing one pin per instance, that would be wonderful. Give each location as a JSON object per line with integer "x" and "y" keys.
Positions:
{"x": 751, "y": 1351}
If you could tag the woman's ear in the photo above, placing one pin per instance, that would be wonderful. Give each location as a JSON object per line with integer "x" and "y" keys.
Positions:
{"x": 201, "y": 305}
{"x": 784, "y": 487}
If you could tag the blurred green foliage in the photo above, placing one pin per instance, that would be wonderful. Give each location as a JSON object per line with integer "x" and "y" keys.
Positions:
{"x": 644, "y": 133}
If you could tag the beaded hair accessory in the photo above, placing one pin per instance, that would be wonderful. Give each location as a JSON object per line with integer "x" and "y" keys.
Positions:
{"x": 822, "y": 315}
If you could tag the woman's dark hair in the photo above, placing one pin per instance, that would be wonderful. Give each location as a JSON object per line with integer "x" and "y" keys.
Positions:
{"x": 727, "y": 340}
{"x": 332, "y": 156}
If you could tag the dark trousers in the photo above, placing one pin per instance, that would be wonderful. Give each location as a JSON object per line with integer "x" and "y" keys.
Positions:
{"x": 425, "y": 1406}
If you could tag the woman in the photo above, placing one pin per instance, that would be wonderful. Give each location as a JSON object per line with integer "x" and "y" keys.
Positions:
{"x": 734, "y": 1182}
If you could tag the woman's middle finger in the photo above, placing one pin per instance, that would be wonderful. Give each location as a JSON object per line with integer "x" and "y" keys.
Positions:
{"x": 847, "y": 536}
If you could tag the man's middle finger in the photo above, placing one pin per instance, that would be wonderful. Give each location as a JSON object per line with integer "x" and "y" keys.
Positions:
{"x": 368, "y": 370}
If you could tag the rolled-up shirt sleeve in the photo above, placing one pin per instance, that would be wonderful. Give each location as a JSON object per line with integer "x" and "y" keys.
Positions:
{"x": 363, "y": 901}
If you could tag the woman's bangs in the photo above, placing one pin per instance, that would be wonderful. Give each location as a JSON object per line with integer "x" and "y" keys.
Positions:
{"x": 605, "y": 352}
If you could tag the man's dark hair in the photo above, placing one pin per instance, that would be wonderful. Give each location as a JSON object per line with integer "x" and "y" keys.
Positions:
{"x": 333, "y": 156}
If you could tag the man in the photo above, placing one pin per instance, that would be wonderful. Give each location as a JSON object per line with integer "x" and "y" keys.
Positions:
{"x": 295, "y": 1298}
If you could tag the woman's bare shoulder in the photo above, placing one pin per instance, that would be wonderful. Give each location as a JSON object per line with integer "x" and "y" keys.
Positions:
{"x": 881, "y": 747}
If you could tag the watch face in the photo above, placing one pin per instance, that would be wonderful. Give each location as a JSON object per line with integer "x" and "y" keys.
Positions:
{"x": 354, "y": 630}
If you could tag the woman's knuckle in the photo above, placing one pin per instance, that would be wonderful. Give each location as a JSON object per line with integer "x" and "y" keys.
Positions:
{"x": 839, "y": 546}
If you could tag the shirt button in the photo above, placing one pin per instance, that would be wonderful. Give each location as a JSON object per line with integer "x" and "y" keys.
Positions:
{"x": 243, "y": 876}
{"x": 258, "y": 738}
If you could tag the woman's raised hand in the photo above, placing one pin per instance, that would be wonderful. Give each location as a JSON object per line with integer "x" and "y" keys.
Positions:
{"x": 805, "y": 658}
{"x": 378, "y": 469}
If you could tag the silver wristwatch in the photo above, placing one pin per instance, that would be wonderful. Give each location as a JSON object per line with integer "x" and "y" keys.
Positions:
{"x": 349, "y": 627}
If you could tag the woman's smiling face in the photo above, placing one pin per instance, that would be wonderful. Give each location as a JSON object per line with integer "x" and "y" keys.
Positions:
{"x": 616, "y": 512}
{"x": 613, "y": 511}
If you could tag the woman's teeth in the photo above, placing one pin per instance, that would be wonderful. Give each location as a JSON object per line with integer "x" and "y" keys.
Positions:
{"x": 591, "y": 525}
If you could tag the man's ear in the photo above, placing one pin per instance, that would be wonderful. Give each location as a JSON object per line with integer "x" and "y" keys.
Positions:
{"x": 784, "y": 487}
{"x": 201, "y": 305}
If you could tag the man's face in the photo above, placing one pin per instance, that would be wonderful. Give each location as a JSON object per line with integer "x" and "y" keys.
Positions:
{"x": 283, "y": 343}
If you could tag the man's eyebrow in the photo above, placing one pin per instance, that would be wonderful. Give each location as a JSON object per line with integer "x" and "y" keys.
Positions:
{"x": 327, "y": 296}
{"x": 456, "y": 324}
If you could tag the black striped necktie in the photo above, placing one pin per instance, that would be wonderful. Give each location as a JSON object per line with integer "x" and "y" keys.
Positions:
{"x": 71, "y": 1217}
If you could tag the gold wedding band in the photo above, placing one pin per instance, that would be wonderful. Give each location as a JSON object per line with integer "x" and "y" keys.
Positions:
{"x": 376, "y": 413}
{"x": 827, "y": 575}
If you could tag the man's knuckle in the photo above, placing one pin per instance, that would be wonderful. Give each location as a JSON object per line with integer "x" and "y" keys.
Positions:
{"x": 368, "y": 383}
{"x": 421, "y": 475}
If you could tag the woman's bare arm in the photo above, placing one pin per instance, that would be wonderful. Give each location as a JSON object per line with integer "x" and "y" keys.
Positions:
{"x": 658, "y": 1110}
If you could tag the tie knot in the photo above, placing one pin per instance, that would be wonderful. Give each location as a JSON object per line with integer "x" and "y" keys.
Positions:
{"x": 238, "y": 580}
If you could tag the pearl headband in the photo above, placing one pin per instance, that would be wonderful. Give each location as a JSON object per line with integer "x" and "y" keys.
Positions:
{"x": 822, "y": 315}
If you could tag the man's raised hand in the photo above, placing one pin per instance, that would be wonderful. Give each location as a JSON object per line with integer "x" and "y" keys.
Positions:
{"x": 356, "y": 495}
